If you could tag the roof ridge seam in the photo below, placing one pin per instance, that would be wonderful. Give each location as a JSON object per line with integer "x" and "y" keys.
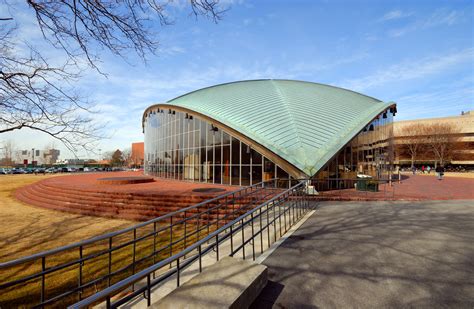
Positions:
{"x": 282, "y": 97}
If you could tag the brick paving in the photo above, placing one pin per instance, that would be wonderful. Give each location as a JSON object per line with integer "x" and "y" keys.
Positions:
{"x": 89, "y": 182}
{"x": 412, "y": 187}
{"x": 84, "y": 194}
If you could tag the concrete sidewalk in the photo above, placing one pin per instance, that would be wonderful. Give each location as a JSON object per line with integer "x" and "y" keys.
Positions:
{"x": 376, "y": 255}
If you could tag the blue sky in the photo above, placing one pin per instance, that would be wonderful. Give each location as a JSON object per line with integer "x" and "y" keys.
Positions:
{"x": 419, "y": 54}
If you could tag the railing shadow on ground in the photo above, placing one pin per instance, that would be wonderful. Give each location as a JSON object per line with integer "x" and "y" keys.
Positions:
{"x": 73, "y": 272}
{"x": 262, "y": 225}
{"x": 371, "y": 243}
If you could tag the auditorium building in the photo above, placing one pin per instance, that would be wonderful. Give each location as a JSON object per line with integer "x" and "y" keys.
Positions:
{"x": 245, "y": 132}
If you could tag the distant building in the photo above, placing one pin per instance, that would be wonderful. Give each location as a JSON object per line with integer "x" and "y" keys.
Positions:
{"x": 464, "y": 151}
{"x": 37, "y": 156}
{"x": 137, "y": 156}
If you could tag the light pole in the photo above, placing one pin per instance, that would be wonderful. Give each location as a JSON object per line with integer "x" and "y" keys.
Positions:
{"x": 100, "y": 151}
{"x": 33, "y": 162}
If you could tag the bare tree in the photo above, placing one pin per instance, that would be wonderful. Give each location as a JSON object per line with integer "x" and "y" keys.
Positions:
{"x": 127, "y": 156}
{"x": 8, "y": 151}
{"x": 441, "y": 140}
{"x": 37, "y": 96}
{"x": 40, "y": 96}
{"x": 412, "y": 141}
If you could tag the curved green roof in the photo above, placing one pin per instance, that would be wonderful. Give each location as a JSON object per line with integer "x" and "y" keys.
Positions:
{"x": 304, "y": 123}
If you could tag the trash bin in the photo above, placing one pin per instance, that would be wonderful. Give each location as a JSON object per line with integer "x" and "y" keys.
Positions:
{"x": 363, "y": 182}
{"x": 372, "y": 186}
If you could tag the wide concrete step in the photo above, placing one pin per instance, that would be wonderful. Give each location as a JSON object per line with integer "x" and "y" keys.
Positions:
{"x": 229, "y": 283}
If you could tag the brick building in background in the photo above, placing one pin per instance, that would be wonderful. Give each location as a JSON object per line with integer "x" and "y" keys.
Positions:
{"x": 137, "y": 156}
{"x": 463, "y": 137}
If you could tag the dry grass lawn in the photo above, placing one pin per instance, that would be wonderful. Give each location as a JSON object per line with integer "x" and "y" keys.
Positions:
{"x": 27, "y": 229}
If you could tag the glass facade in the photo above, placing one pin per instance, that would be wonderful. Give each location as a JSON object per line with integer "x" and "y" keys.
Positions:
{"x": 370, "y": 153}
{"x": 184, "y": 147}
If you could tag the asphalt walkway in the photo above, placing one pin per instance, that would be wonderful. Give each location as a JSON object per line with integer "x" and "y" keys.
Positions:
{"x": 376, "y": 255}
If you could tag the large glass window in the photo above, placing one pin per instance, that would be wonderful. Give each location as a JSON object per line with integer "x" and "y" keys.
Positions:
{"x": 369, "y": 153}
{"x": 182, "y": 146}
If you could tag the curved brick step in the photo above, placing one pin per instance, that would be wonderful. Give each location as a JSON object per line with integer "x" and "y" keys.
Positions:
{"x": 154, "y": 210}
{"x": 117, "y": 202}
{"x": 30, "y": 196}
{"x": 75, "y": 195}
{"x": 182, "y": 201}
{"x": 114, "y": 196}
{"x": 129, "y": 211}
{"x": 130, "y": 214}
{"x": 128, "y": 197}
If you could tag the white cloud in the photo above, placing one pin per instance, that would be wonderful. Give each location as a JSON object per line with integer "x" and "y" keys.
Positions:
{"x": 438, "y": 18}
{"x": 411, "y": 69}
{"x": 171, "y": 50}
{"x": 395, "y": 14}
{"x": 445, "y": 100}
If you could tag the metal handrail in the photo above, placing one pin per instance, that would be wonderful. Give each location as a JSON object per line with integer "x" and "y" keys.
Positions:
{"x": 184, "y": 215}
{"x": 131, "y": 280}
{"x": 122, "y": 231}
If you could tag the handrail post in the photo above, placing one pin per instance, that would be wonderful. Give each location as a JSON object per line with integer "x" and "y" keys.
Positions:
{"x": 231, "y": 241}
{"x": 198, "y": 229}
{"x": 253, "y": 237}
{"x": 134, "y": 248}
{"x": 243, "y": 238}
{"x": 185, "y": 228}
{"x": 43, "y": 268}
{"x": 261, "y": 232}
{"x": 274, "y": 221}
{"x": 110, "y": 262}
{"x": 80, "y": 273}
{"x": 268, "y": 225}
{"x": 154, "y": 246}
{"x": 200, "y": 259}
{"x": 177, "y": 272}
{"x": 148, "y": 288}
{"x": 171, "y": 238}
{"x": 217, "y": 246}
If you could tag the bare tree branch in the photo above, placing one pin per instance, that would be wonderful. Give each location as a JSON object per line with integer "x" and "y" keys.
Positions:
{"x": 441, "y": 139}
{"x": 40, "y": 96}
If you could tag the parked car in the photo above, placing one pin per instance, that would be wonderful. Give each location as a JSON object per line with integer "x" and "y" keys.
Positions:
{"x": 3, "y": 171}
{"x": 18, "y": 171}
